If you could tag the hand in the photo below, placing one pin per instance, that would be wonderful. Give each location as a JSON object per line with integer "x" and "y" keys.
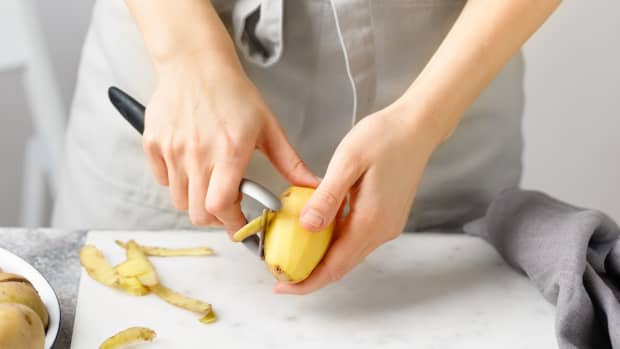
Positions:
{"x": 203, "y": 123}
{"x": 379, "y": 163}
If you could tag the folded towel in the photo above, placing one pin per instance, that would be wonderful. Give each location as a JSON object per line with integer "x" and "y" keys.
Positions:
{"x": 570, "y": 253}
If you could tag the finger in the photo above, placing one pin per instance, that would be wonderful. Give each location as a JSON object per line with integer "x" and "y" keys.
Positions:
{"x": 155, "y": 160}
{"x": 223, "y": 198}
{"x": 342, "y": 173}
{"x": 198, "y": 184}
{"x": 178, "y": 185}
{"x": 285, "y": 159}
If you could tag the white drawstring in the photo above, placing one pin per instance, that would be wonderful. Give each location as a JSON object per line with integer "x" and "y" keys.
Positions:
{"x": 347, "y": 61}
{"x": 354, "y": 28}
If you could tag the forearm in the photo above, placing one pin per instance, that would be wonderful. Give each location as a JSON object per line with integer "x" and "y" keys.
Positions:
{"x": 173, "y": 29}
{"x": 483, "y": 39}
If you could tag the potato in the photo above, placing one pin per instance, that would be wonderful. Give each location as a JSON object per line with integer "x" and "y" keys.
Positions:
{"x": 5, "y": 277}
{"x": 292, "y": 252}
{"x": 20, "y": 328}
{"x": 23, "y": 293}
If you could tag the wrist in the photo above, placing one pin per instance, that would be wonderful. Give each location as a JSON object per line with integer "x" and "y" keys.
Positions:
{"x": 176, "y": 31}
{"x": 170, "y": 53}
{"x": 420, "y": 124}
{"x": 437, "y": 119}
{"x": 206, "y": 63}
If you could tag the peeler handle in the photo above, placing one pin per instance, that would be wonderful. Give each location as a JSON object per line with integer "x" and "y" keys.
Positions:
{"x": 133, "y": 111}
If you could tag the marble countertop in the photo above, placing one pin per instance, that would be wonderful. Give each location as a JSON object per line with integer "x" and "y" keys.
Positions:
{"x": 55, "y": 253}
{"x": 459, "y": 285}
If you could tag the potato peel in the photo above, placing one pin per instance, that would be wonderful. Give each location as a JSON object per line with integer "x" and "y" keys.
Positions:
{"x": 97, "y": 267}
{"x": 137, "y": 265}
{"x": 209, "y": 318}
{"x": 136, "y": 276}
{"x": 181, "y": 301}
{"x": 153, "y": 251}
{"x": 132, "y": 286}
{"x": 129, "y": 336}
{"x": 248, "y": 230}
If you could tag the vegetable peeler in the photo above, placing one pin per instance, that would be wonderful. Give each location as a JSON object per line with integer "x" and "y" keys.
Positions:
{"x": 134, "y": 112}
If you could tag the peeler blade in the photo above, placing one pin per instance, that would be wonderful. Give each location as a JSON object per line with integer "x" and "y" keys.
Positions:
{"x": 261, "y": 234}
{"x": 253, "y": 244}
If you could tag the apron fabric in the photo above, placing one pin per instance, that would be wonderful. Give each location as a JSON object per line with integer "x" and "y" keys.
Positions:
{"x": 321, "y": 66}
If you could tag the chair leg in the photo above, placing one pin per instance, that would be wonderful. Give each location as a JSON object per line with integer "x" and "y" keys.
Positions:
{"x": 34, "y": 204}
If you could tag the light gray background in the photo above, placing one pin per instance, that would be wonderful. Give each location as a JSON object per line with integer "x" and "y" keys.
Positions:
{"x": 572, "y": 122}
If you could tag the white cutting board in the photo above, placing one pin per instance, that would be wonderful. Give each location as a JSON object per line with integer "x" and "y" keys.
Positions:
{"x": 419, "y": 291}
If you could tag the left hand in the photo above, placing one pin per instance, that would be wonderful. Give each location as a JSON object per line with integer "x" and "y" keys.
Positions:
{"x": 379, "y": 163}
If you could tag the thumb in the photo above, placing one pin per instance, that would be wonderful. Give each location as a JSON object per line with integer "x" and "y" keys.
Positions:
{"x": 327, "y": 199}
{"x": 285, "y": 159}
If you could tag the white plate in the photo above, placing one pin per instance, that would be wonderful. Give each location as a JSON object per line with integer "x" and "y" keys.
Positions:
{"x": 11, "y": 263}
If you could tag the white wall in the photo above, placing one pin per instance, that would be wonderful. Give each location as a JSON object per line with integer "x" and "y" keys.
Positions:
{"x": 64, "y": 24}
{"x": 572, "y": 121}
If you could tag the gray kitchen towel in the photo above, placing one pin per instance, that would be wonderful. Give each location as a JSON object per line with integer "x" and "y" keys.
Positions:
{"x": 570, "y": 253}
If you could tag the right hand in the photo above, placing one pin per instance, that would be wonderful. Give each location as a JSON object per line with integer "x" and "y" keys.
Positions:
{"x": 203, "y": 123}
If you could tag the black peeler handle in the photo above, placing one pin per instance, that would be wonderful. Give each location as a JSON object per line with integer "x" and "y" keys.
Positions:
{"x": 130, "y": 109}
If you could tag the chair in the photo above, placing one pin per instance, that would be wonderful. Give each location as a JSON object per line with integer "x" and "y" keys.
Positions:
{"x": 23, "y": 48}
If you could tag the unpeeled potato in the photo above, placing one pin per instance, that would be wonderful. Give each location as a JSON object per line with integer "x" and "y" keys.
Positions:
{"x": 20, "y": 328}
{"x": 6, "y": 277}
{"x": 23, "y": 293}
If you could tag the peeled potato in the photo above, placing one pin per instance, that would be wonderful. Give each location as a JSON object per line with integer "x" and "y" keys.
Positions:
{"x": 20, "y": 328}
{"x": 23, "y": 293}
{"x": 291, "y": 252}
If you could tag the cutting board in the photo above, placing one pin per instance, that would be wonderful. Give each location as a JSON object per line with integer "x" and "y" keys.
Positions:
{"x": 420, "y": 290}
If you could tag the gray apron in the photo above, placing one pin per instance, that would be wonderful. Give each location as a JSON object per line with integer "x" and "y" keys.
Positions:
{"x": 321, "y": 65}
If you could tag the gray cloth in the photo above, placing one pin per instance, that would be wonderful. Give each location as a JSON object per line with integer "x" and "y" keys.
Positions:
{"x": 570, "y": 253}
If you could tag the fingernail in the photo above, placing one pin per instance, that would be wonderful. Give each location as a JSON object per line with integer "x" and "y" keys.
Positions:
{"x": 312, "y": 218}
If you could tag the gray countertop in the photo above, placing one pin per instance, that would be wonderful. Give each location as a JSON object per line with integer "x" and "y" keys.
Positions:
{"x": 55, "y": 253}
